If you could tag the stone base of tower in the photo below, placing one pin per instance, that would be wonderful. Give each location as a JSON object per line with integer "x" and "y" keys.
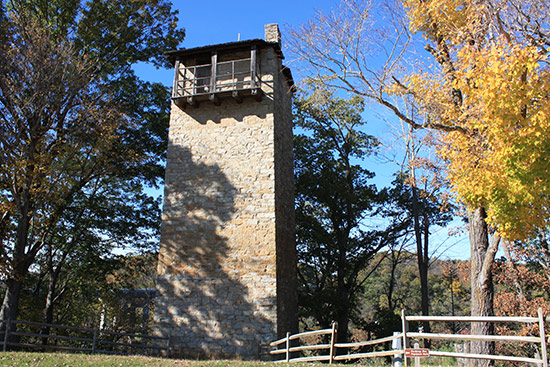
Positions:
{"x": 212, "y": 320}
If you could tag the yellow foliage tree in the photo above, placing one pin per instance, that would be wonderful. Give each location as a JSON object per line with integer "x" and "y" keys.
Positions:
{"x": 490, "y": 86}
{"x": 493, "y": 90}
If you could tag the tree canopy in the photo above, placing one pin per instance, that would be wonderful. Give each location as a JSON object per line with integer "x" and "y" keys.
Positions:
{"x": 78, "y": 127}
{"x": 334, "y": 200}
{"x": 491, "y": 91}
{"x": 482, "y": 86}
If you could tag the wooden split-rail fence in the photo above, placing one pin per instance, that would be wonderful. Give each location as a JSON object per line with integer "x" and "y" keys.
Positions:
{"x": 332, "y": 347}
{"x": 28, "y": 334}
{"x": 288, "y": 348}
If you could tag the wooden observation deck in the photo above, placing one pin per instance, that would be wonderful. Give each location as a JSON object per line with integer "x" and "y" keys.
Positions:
{"x": 231, "y": 72}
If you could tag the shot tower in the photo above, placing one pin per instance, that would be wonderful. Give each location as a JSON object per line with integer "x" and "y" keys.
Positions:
{"x": 227, "y": 262}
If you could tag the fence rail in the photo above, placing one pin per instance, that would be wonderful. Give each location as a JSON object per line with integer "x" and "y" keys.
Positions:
{"x": 332, "y": 347}
{"x": 86, "y": 339}
{"x": 540, "y": 339}
{"x": 284, "y": 345}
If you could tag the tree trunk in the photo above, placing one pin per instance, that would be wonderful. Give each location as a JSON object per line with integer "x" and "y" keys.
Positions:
{"x": 19, "y": 261}
{"x": 391, "y": 284}
{"x": 10, "y": 303}
{"x": 343, "y": 329}
{"x": 342, "y": 311}
{"x": 342, "y": 289}
{"x": 10, "y": 306}
{"x": 421, "y": 257}
{"x": 482, "y": 258}
{"x": 49, "y": 306}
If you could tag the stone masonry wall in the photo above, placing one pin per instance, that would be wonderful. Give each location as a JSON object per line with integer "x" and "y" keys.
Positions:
{"x": 218, "y": 292}
{"x": 287, "y": 296}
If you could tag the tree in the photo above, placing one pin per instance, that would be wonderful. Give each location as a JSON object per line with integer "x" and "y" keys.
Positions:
{"x": 452, "y": 291}
{"x": 484, "y": 93}
{"x": 333, "y": 202}
{"x": 88, "y": 232}
{"x": 490, "y": 93}
{"x": 422, "y": 210}
{"x": 391, "y": 285}
{"x": 72, "y": 116}
{"x": 343, "y": 48}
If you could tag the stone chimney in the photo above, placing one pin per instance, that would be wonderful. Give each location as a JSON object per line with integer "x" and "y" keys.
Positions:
{"x": 272, "y": 33}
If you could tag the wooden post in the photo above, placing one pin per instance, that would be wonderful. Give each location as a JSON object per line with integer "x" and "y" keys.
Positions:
{"x": 287, "y": 347}
{"x": 396, "y": 345}
{"x": 213, "y": 72}
{"x": 176, "y": 89}
{"x": 195, "y": 81}
{"x": 333, "y": 335}
{"x": 234, "y": 81}
{"x": 542, "y": 339}
{"x": 253, "y": 67}
{"x": 537, "y": 356}
{"x": 6, "y": 335}
{"x": 168, "y": 346}
{"x": 175, "y": 84}
{"x": 417, "y": 359}
{"x": 405, "y": 326}
{"x": 94, "y": 340}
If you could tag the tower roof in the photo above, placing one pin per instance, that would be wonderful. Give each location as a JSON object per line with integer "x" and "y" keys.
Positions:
{"x": 230, "y": 46}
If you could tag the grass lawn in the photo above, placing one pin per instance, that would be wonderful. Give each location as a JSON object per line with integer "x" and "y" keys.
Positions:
{"x": 29, "y": 359}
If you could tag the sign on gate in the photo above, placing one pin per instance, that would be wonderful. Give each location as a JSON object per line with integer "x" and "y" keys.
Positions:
{"x": 417, "y": 352}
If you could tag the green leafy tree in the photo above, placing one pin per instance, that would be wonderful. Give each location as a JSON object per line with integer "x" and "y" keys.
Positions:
{"x": 334, "y": 202}
{"x": 422, "y": 209}
{"x": 391, "y": 287}
{"x": 75, "y": 118}
{"x": 87, "y": 233}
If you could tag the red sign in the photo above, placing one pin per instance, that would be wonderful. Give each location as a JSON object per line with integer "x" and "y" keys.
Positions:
{"x": 417, "y": 352}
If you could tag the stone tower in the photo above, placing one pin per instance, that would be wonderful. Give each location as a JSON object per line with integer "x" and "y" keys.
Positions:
{"x": 227, "y": 262}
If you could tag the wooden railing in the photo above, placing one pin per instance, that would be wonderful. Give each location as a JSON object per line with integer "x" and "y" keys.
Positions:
{"x": 213, "y": 78}
{"x": 285, "y": 345}
{"x": 331, "y": 347}
{"x": 27, "y": 334}
{"x": 540, "y": 339}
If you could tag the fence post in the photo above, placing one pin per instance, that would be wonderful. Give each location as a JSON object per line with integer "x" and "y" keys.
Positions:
{"x": 333, "y": 335}
{"x": 542, "y": 339}
{"x": 287, "y": 346}
{"x": 94, "y": 340}
{"x": 6, "y": 335}
{"x": 396, "y": 345}
{"x": 405, "y": 326}
{"x": 416, "y": 359}
{"x": 168, "y": 346}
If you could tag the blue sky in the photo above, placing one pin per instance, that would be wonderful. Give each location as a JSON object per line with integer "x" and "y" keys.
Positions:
{"x": 211, "y": 22}
{"x": 218, "y": 21}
